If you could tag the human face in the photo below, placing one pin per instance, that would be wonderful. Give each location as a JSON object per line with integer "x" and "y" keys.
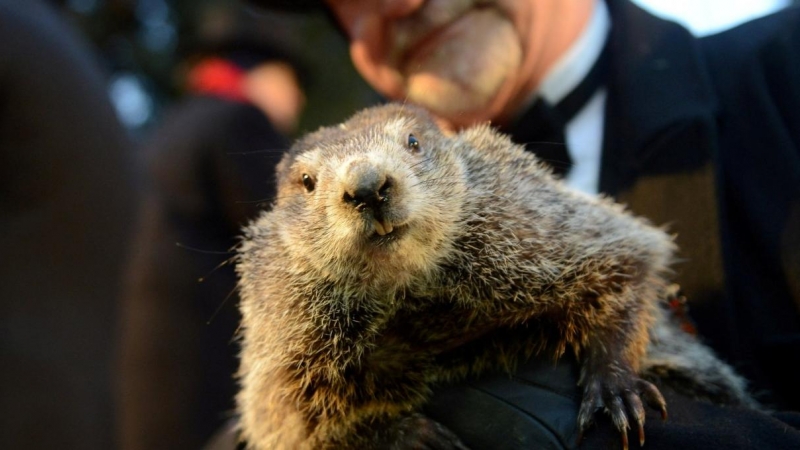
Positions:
{"x": 466, "y": 60}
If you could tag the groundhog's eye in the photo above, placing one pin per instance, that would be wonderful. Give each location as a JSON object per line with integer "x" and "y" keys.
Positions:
{"x": 413, "y": 143}
{"x": 308, "y": 182}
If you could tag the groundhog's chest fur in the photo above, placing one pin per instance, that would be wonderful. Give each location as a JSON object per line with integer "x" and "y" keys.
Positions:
{"x": 397, "y": 256}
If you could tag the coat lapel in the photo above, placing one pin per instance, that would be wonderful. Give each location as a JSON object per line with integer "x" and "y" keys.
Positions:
{"x": 659, "y": 143}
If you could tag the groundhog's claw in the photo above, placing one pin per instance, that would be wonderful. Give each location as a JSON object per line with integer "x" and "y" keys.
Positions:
{"x": 418, "y": 432}
{"x": 653, "y": 396}
{"x": 621, "y": 397}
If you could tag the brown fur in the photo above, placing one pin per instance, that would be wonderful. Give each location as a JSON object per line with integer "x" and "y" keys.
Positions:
{"x": 490, "y": 259}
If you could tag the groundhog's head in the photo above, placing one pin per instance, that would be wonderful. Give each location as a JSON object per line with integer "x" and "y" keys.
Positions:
{"x": 377, "y": 198}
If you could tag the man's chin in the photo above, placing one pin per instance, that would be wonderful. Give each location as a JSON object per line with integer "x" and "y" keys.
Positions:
{"x": 454, "y": 102}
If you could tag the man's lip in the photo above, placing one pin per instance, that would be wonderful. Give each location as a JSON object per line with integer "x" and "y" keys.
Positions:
{"x": 426, "y": 43}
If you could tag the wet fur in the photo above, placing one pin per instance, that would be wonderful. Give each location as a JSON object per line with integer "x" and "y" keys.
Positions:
{"x": 344, "y": 332}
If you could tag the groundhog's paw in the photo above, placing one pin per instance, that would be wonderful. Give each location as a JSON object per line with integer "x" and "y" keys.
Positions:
{"x": 419, "y": 432}
{"x": 621, "y": 397}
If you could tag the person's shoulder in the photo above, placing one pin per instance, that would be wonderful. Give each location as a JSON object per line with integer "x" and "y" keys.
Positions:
{"x": 757, "y": 63}
{"x": 774, "y": 35}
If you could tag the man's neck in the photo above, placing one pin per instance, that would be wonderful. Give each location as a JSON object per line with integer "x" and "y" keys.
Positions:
{"x": 574, "y": 64}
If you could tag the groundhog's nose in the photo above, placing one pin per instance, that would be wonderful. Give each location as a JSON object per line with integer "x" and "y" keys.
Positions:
{"x": 367, "y": 189}
{"x": 368, "y": 192}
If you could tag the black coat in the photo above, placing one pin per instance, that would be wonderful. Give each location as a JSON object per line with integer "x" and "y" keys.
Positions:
{"x": 703, "y": 135}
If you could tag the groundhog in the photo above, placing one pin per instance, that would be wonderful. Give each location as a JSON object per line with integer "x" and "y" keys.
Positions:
{"x": 397, "y": 256}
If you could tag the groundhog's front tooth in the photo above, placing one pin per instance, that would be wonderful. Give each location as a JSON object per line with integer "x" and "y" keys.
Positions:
{"x": 382, "y": 227}
{"x": 387, "y": 226}
{"x": 379, "y": 227}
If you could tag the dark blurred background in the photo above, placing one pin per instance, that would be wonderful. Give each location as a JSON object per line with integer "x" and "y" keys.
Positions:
{"x": 141, "y": 41}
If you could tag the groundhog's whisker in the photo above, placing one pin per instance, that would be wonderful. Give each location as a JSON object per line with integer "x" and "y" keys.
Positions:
{"x": 258, "y": 152}
{"x": 435, "y": 182}
{"x": 209, "y": 252}
{"x": 250, "y": 202}
{"x": 552, "y": 162}
{"x": 221, "y": 305}
{"x": 543, "y": 143}
{"x": 424, "y": 161}
{"x": 217, "y": 267}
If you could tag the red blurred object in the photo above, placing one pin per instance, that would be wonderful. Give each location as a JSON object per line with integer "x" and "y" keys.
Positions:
{"x": 218, "y": 77}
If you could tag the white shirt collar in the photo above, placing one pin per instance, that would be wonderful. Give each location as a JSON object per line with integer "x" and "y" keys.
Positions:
{"x": 575, "y": 63}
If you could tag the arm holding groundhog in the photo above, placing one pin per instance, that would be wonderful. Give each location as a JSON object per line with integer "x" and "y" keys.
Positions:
{"x": 586, "y": 265}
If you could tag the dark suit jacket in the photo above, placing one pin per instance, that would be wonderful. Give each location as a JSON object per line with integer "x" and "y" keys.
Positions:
{"x": 705, "y": 136}
{"x": 702, "y": 135}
